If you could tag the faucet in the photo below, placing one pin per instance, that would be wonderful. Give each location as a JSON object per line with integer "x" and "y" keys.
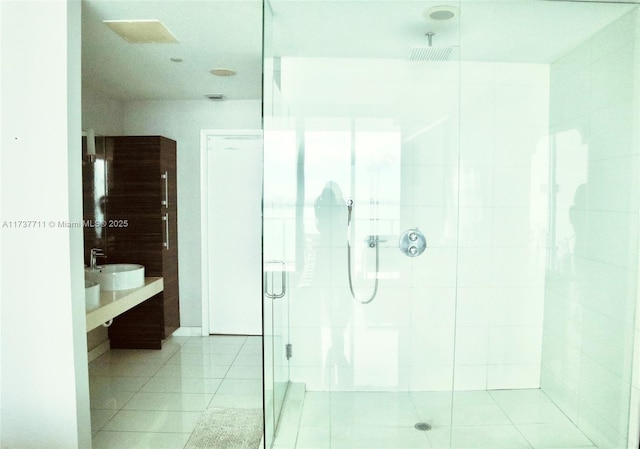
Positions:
{"x": 95, "y": 253}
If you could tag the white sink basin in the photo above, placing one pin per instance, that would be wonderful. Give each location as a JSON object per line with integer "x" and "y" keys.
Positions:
{"x": 117, "y": 276}
{"x": 91, "y": 294}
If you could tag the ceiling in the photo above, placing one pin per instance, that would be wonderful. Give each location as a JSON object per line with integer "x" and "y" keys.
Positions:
{"x": 228, "y": 34}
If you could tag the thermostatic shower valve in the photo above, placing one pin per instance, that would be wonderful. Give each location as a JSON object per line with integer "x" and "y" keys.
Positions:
{"x": 412, "y": 242}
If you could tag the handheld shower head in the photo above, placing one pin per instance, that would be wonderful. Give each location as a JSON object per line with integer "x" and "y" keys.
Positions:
{"x": 349, "y": 208}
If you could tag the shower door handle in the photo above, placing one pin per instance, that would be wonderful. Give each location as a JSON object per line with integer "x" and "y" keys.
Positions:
{"x": 269, "y": 292}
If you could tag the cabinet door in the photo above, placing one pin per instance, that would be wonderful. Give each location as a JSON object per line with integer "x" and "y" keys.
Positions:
{"x": 137, "y": 232}
{"x": 134, "y": 192}
{"x": 169, "y": 213}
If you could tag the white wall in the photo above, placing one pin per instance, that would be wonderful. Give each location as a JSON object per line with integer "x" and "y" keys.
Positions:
{"x": 183, "y": 121}
{"x": 45, "y": 392}
{"x": 102, "y": 113}
{"x": 591, "y": 293}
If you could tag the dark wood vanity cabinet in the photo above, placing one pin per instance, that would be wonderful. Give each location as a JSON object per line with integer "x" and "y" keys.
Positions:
{"x": 142, "y": 227}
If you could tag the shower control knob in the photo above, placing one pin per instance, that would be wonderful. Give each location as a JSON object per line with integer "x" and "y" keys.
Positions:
{"x": 412, "y": 242}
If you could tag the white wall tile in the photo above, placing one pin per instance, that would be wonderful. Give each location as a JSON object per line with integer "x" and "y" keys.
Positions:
{"x": 515, "y": 145}
{"x": 431, "y": 378}
{"x": 603, "y": 393}
{"x": 516, "y": 105}
{"x": 477, "y": 104}
{"x": 500, "y": 377}
{"x": 511, "y": 227}
{"x": 522, "y": 74}
{"x": 473, "y": 306}
{"x": 470, "y": 377}
{"x": 511, "y": 186}
{"x": 474, "y": 267}
{"x": 477, "y": 73}
{"x": 472, "y": 345}
{"x": 436, "y": 267}
{"x": 432, "y": 347}
{"x": 433, "y": 307}
{"x": 516, "y": 306}
{"x": 517, "y": 267}
{"x": 476, "y": 186}
{"x": 438, "y": 224}
{"x": 613, "y": 76}
{"x": 612, "y": 131}
{"x": 511, "y": 345}
{"x": 476, "y": 145}
{"x": 475, "y": 227}
{"x": 588, "y": 326}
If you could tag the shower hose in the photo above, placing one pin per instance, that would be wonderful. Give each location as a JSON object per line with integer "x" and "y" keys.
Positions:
{"x": 374, "y": 242}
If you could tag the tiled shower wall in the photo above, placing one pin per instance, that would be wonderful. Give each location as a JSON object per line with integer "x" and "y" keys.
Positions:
{"x": 591, "y": 288}
{"x": 503, "y": 128}
{"x": 497, "y": 127}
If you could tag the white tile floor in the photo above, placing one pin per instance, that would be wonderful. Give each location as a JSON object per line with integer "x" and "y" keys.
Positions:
{"x": 506, "y": 419}
{"x": 149, "y": 399}
{"x": 153, "y": 399}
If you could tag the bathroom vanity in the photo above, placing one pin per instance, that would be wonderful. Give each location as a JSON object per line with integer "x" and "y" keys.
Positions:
{"x": 130, "y": 193}
{"x": 114, "y": 303}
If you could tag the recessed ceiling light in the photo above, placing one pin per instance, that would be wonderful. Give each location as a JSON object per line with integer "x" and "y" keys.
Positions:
{"x": 223, "y": 72}
{"x": 442, "y": 12}
{"x": 142, "y": 31}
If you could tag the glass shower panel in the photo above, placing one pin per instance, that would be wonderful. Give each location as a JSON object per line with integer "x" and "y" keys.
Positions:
{"x": 548, "y": 247}
{"x": 370, "y": 130}
{"x": 279, "y": 254}
{"x": 279, "y": 261}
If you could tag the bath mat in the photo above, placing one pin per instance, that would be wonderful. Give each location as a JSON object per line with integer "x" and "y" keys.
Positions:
{"x": 227, "y": 428}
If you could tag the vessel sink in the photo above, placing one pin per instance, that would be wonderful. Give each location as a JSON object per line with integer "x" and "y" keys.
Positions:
{"x": 91, "y": 294}
{"x": 117, "y": 276}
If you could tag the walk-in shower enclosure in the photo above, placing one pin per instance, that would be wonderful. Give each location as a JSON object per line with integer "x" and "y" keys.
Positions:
{"x": 509, "y": 138}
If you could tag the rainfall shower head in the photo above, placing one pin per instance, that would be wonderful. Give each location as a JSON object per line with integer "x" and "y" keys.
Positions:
{"x": 430, "y": 53}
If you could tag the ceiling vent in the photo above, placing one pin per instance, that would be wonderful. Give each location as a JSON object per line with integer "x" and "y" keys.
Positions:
{"x": 142, "y": 31}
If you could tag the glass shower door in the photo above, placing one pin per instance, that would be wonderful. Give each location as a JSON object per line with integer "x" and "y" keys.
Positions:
{"x": 361, "y": 160}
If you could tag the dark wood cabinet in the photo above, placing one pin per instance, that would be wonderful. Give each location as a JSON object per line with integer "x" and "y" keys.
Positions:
{"x": 142, "y": 227}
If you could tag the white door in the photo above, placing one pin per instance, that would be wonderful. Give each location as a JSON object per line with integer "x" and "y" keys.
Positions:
{"x": 234, "y": 221}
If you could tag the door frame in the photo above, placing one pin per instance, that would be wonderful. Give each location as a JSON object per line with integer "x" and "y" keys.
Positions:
{"x": 204, "y": 215}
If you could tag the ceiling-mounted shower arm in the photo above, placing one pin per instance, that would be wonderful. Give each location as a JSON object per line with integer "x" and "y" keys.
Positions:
{"x": 430, "y": 35}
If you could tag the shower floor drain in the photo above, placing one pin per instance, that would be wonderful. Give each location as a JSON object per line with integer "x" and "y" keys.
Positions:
{"x": 423, "y": 426}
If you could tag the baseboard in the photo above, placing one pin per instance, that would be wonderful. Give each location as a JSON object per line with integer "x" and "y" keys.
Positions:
{"x": 98, "y": 351}
{"x": 185, "y": 331}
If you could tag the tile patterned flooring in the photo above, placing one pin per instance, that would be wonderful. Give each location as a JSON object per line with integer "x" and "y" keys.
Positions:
{"x": 153, "y": 399}
{"x": 504, "y": 419}
{"x": 149, "y": 399}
